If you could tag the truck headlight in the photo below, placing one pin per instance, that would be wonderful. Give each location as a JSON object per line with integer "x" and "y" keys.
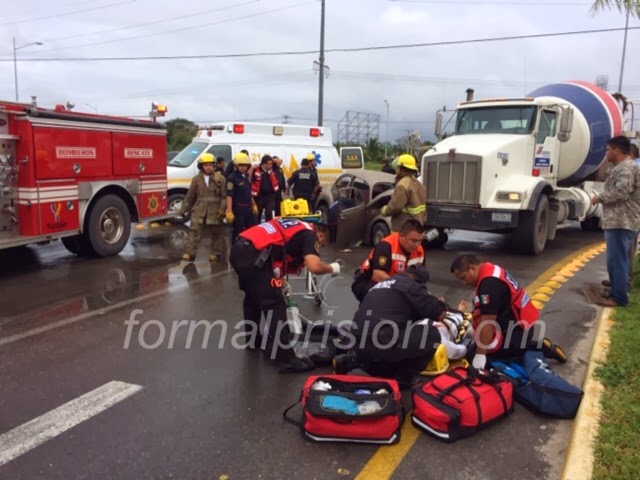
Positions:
{"x": 510, "y": 196}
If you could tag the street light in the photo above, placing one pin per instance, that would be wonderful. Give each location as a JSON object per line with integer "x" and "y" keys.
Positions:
{"x": 386, "y": 142}
{"x": 15, "y": 63}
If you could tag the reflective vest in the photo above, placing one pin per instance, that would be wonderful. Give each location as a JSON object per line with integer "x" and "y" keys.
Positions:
{"x": 525, "y": 312}
{"x": 257, "y": 180}
{"x": 399, "y": 261}
{"x": 278, "y": 232}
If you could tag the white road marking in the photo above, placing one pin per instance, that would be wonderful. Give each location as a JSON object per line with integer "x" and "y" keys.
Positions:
{"x": 21, "y": 439}
{"x": 115, "y": 306}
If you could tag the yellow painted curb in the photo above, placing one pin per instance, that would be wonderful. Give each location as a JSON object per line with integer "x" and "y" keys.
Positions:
{"x": 579, "y": 461}
{"x": 537, "y": 304}
{"x": 541, "y": 297}
{"x": 547, "y": 289}
{"x": 559, "y": 278}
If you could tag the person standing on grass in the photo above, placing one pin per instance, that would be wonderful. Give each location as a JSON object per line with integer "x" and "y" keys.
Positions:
{"x": 620, "y": 218}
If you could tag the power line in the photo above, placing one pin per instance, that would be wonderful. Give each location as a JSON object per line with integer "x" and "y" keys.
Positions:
{"x": 314, "y": 52}
{"x": 75, "y": 12}
{"x": 182, "y": 29}
{"x": 146, "y": 24}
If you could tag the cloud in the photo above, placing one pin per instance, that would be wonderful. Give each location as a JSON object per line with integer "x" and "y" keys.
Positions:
{"x": 415, "y": 81}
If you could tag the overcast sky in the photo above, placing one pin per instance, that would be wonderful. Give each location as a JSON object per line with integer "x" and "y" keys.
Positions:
{"x": 415, "y": 81}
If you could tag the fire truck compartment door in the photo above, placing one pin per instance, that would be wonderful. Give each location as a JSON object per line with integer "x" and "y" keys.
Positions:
{"x": 72, "y": 153}
{"x": 136, "y": 154}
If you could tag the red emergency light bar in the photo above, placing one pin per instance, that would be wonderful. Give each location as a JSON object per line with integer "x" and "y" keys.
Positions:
{"x": 314, "y": 132}
{"x": 535, "y": 172}
{"x": 238, "y": 128}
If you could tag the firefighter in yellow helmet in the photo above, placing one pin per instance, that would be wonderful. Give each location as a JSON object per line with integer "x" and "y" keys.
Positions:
{"x": 206, "y": 201}
{"x": 409, "y": 198}
{"x": 241, "y": 209}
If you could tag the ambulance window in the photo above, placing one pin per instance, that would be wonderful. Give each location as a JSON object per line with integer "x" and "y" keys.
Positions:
{"x": 188, "y": 154}
{"x": 351, "y": 157}
{"x": 219, "y": 151}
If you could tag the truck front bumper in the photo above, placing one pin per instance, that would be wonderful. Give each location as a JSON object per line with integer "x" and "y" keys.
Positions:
{"x": 460, "y": 217}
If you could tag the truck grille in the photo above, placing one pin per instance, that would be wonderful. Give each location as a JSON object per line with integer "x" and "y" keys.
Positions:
{"x": 453, "y": 182}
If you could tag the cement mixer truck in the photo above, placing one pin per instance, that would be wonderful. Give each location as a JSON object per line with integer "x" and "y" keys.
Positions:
{"x": 523, "y": 166}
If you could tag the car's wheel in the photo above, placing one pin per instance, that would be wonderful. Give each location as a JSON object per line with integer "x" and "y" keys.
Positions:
{"x": 108, "y": 226}
{"x": 324, "y": 212}
{"x": 378, "y": 232}
{"x": 174, "y": 204}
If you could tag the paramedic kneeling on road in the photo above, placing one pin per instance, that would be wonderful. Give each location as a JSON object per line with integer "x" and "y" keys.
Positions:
{"x": 389, "y": 342}
{"x": 393, "y": 254}
{"x": 502, "y": 313}
{"x": 261, "y": 257}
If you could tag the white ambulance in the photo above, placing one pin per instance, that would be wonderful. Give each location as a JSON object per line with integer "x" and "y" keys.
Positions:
{"x": 289, "y": 142}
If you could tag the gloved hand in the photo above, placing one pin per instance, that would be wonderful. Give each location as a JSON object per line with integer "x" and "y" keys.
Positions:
{"x": 229, "y": 217}
{"x": 335, "y": 267}
{"x": 383, "y": 211}
{"x": 479, "y": 361}
{"x": 254, "y": 209}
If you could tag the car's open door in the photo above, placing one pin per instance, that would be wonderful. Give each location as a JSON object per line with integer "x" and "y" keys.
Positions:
{"x": 352, "y": 158}
{"x": 352, "y": 217}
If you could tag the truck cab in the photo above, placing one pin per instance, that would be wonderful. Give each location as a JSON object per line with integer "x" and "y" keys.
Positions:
{"x": 506, "y": 166}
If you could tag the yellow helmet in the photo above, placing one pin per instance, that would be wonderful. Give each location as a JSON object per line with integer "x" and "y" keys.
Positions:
{"x": 408, "y": 161}
{"x": 310, "y": 157}
{"x": 241, "y": 159}
{"x": 206, "y": 158}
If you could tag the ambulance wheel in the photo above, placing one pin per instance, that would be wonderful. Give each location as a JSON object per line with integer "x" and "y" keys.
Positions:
{"x": 378, "y": 232}
{"x": 174, "y": 204}
{"x": 78, "y": 245}
{"x": 533, "y": 228}
{"x": 108, "y": 226}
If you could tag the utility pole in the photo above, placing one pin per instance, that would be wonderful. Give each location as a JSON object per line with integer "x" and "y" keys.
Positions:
{"x": 624, "y": 51}
{"x": 386, "y": 140}
{"x": 321, "y": 79}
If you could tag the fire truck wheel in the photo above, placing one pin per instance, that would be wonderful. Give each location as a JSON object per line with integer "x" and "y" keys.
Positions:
{"x": 109, "y": 226}
{"x": 78, "y": 245}
{"x": 174, "y": 204}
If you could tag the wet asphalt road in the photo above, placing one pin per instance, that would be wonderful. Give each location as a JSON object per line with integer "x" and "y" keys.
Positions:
{"x": 208, "y": 412}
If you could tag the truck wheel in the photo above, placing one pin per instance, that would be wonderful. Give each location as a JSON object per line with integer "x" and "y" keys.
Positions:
{"x": 439, "y": 242}
{"x": 109, "y": 226}
{"x": 174, "y": 204}
{"x": 378, "y": 232}
{"x": 591, "y": 224}
{"x": 533, "y": 228}
{"x": 78, "y": 245}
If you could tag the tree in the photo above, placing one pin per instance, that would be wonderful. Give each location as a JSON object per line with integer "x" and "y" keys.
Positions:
{"x": 180, "y": 133}
{"x": 373, "y": 151}
{"x": 627, "y": 6}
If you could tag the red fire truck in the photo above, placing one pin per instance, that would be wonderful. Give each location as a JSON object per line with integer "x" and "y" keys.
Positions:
{"x": 78, "y": 177}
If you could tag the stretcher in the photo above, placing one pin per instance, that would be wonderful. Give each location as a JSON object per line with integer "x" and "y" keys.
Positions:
{"x": 299, "y": 210}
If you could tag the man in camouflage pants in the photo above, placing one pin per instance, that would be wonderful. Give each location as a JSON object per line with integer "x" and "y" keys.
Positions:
{"x": 207, "y": 200}
{"x": 620, "y": 218}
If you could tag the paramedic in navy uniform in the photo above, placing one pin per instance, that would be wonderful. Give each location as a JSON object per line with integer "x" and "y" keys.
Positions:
{"x": 241, "y": 208}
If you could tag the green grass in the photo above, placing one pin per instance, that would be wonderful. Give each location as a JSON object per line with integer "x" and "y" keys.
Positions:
{"x": 617, "y": 448}
{"x": 372, "y": 166}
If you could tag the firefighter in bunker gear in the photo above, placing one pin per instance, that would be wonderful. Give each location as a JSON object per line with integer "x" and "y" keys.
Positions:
{"x": 206, "y": 202}
{"x": 261, "y": 257}
{"x": 409, "y": 198}
{"x": 503, "y": 314}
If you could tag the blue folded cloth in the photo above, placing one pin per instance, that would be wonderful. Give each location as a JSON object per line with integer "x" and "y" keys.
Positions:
{"x": 340, "y": 404}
